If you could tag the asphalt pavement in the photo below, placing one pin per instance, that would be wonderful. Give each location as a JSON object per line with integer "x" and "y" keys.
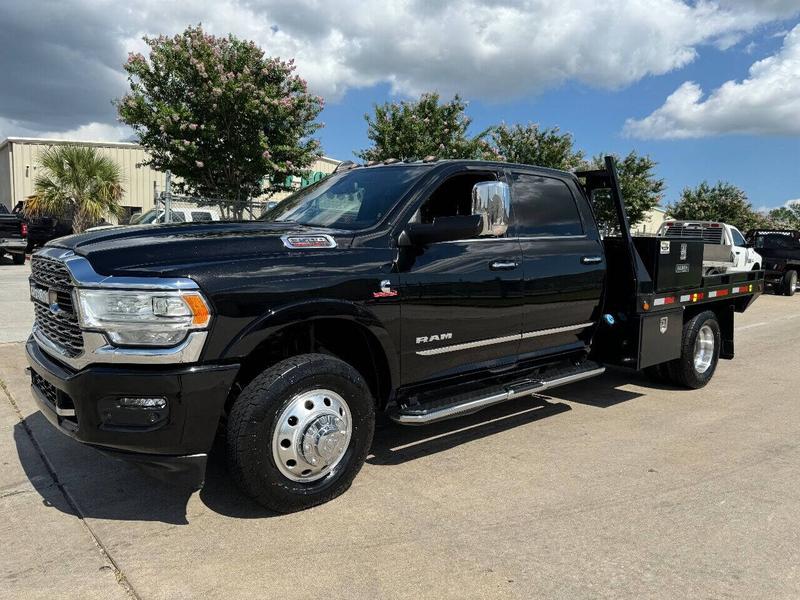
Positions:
{"x": 609, "y": 488}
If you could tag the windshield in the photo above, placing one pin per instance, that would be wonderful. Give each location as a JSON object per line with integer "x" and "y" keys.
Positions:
{"x": 351, "y": 200}
{"x": 774, "y": 242}
{"x": 144, "y": 218}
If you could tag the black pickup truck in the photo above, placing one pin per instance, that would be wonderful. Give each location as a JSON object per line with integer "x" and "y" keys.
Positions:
{"x": 13, "y": 236}
{"x": 780, "y": 249}
{"x": 421, "y": 291}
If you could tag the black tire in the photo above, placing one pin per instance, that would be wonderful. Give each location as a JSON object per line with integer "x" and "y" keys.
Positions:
{"x": 254, "y": 417}
{"x": 18, "y": 258}
{"x": 682, "y": 371}
{"x": 789, "y": 285}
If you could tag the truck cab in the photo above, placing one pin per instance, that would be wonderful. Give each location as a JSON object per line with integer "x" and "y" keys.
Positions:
{"x": 419, "y": 290}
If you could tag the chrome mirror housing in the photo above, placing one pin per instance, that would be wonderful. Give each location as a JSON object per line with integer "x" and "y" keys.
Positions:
{"x": 491, "y": 200}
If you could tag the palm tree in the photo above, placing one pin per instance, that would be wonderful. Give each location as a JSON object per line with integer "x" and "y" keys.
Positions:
{"x": 77, "y": 180}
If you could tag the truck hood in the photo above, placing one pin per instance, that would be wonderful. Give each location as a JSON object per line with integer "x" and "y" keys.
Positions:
{"x": 156, "y": 249}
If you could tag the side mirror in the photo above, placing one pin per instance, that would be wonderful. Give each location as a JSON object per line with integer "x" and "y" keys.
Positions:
{"x": 443, "y": 229}
{"x": 491, "y": 201}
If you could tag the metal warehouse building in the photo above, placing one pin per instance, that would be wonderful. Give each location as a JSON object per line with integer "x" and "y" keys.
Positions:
{"x": 18, "y": 166}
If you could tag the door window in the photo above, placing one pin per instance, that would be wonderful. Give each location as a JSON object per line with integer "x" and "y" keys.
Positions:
{"x": 543, "y": 206}
{"x": 451, "y": 199}
{"x": 738, "y": 239}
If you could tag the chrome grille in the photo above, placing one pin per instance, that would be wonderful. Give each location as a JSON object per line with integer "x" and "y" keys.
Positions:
{"x": 60, "y": 327}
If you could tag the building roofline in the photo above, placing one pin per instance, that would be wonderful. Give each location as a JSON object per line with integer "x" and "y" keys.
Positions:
{"x": 54, "y": 141}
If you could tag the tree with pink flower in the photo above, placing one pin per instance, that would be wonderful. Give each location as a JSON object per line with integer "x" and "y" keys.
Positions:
{"x": 230, "y": 122}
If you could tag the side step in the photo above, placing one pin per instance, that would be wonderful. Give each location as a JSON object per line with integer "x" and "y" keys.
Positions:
{"x": 458, "y": 406}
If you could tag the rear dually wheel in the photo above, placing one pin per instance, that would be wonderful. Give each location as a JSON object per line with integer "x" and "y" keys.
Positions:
{"x": 700, "y": 348}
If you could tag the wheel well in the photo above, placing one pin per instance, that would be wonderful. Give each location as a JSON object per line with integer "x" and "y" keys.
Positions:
{"x": 724, "y": 313}
{"x": 347, "y": 340}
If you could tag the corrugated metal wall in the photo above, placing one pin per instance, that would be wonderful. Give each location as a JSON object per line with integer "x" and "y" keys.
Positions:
{"x": 137, "y": 180}
{"x": 5, "y": 177}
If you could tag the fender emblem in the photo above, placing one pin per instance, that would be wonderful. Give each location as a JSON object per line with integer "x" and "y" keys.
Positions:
{"x": 386, "y": 290}
{"x": 663, "y": 324}
{"x": 437, "y": 337}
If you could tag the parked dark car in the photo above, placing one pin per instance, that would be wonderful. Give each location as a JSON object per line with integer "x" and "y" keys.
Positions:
{"x": 13, "y": 236}
{"x": 780, "y": 249}
{"x": 43, "y": 229}
{"x": 423, "y": 291}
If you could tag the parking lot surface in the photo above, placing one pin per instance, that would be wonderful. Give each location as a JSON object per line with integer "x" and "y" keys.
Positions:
{"x": 610, "y": 488}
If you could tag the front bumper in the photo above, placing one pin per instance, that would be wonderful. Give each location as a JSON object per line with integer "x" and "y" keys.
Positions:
{"x": 175, "y": 449}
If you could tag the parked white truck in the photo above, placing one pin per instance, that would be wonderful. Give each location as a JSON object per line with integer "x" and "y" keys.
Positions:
{"x": 725, "y": 250}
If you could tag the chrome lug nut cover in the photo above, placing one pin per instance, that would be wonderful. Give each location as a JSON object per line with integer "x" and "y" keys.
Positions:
{"x": 311, "y": 436}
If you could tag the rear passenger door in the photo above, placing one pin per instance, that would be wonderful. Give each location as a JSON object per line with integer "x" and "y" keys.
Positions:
{"x": 563, "y": 264}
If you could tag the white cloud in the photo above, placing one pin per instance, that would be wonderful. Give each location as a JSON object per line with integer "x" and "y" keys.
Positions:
{"x": 92, "y": 132}
{"x": 66, "y": 66}
{"x": 767, "y": 102}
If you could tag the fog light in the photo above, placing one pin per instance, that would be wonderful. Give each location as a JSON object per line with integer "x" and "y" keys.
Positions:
{"x": 133, "y": 411}
{"x": 143, "y": 403}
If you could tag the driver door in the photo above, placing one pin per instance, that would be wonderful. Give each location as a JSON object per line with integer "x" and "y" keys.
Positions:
{"x": 461, "y": 299}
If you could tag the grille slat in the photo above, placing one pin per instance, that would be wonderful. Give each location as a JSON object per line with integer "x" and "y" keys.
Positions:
{"x": 710, "y": 235}
{"x": 62, "y": 327}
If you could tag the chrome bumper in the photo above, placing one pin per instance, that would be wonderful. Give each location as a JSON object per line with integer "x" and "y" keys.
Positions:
{"x": 96, "y": 350}
{"x": 13, "y": 244}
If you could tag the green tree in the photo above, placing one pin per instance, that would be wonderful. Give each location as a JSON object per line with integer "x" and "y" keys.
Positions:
{"x": 533, "y": 145}
{"x": 416, "y": 129}
{"x": 76, "y": 180}
{"x": 721, "y": 202}
{"x": 641, "y": 189}
{"x": 785, "y": 216}
{"x": 229, "y": 121}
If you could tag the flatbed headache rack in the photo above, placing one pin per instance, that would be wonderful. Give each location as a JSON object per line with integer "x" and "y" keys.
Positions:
{"x": 644, "y": 304}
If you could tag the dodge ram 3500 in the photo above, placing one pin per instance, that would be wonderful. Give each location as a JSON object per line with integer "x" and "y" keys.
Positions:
{"x": 422, "y": 290}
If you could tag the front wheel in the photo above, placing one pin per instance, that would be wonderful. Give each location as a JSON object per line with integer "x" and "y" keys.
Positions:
{"x": 700, "y": 348}
{"x": 789, "y": 283}
{"x": 300, "y": 431}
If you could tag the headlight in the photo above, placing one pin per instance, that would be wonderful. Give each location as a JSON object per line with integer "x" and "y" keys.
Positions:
{"x": 142, "y": 318}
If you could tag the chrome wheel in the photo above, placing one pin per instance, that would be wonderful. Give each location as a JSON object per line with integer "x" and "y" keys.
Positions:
{"x": 312, "y": 435}
{"x": 703, "y": 349}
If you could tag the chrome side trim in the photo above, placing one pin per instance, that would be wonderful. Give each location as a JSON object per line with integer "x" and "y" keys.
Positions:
{"x": 97, "y": 350}
{"x": 555, "y": 330}
{"x": 472, "y": 406}
{"x": 502, "y": 340}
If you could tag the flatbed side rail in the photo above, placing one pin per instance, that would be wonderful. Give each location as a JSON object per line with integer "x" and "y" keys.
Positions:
{"x": 714, "y": 288}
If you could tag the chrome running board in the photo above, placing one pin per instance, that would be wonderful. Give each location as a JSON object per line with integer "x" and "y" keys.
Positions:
{"x": 424, "y": 414}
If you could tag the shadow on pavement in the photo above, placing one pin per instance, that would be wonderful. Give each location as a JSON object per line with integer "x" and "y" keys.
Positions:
{"x": 395, "y": 444}
{"x": 105, "y": 488}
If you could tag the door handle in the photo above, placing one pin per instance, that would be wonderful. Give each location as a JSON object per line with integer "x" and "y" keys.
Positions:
{"x": 503, "y": 265}
{"x": 591, "y": 260}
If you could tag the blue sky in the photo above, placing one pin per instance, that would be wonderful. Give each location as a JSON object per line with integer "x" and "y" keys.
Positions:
{"x": 767, "y": 167}
{"x": 709, "y": 88}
